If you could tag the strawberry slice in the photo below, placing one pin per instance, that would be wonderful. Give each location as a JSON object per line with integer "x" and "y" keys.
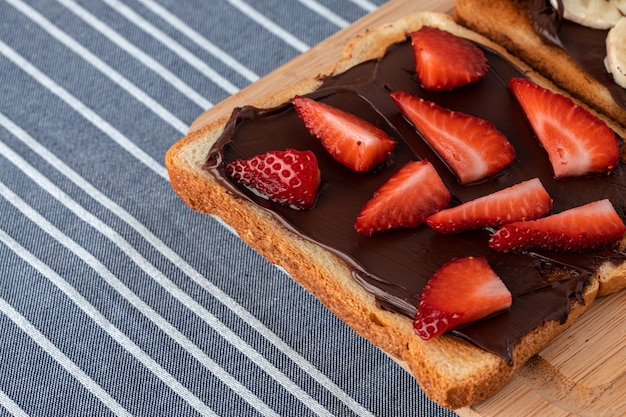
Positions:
{"x": 527, "y": 200}
{"x": 473, "y": 148}
{"x": 444, "y": 61}
{"x": 578, "y": 229}
{"x": 461, "y": 291}
{"x": 289, "y": 177}
{"x": 406, "y": 199}
{"x": 354, "y": 142}
{"x": 577, "y": 142}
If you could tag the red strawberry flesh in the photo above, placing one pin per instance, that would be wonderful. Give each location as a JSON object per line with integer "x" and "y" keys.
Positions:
{"x": 460, "y": 292}
{"x": 406, "y": 199}
{"x": 444, "y": 61}
{"x": 351, "y": 140}
{"x": 576, "y": 141}
{"x": 527, "y": 200}
{"x": 290, "y": 177}
{"x": 578, "y": 229}
{"x": 472, "y": 147}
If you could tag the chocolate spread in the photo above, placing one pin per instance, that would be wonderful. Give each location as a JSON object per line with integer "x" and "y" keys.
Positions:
{"x": 587, "y": 46}
{"x": 395, "y": 265}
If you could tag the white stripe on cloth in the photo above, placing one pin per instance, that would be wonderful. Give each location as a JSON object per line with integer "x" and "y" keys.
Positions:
{"x": 326, "y": 13}
{"x": 11, "y": 406}
{"x": 270, "y": 26}
{"x": 199, "y": 40}
{"x": 185, "y": 267}
{"x": 84, "y": 304}
{"x": 101, "y": 66}
{"x": 86, "y": 112}
{"x": 365, "y": 5}
{"x": 196, "y": 276}
{"x": 49, "y": 347}
{"x": 173, "y": 46}
{"x": 162, "y": 280}
{"x": 137, "y": 53}
{"x": 140, "y": 305}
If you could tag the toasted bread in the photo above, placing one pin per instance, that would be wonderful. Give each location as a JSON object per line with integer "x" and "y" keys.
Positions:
{"x": 451, "y": 371}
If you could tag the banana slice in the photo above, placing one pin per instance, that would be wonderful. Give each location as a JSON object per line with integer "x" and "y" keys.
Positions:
{"x": 597, "y": 14}
{"x": 615, "y": 61}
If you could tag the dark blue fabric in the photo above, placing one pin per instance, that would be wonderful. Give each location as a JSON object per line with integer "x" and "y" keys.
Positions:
{"x": 115, "y": 297}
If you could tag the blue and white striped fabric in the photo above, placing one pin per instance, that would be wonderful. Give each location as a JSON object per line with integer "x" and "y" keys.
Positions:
{"x": 115, "y": 297}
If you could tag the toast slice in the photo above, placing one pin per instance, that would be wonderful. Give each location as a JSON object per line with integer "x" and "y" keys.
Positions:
{"x": 508, "y": 23}
{"x": 451, "y": 371}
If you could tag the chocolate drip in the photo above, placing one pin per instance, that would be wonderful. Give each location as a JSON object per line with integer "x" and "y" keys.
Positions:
{"x": 546, "y": 19}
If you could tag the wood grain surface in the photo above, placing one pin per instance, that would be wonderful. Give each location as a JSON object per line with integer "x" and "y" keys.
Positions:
{"x": 582, "y": 373}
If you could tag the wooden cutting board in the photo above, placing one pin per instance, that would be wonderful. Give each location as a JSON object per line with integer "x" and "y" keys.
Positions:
{"x": 583, "y": 372}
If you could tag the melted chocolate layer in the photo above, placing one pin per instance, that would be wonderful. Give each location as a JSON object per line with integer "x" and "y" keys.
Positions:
{"x": 395, "y": 265}
{"x": 586, "y": 45}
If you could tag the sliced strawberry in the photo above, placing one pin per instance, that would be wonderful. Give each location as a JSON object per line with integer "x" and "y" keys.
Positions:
{"x": 461, "y": 291}
{"x": 406, "y": 199}
{"x": 578, "y": 229}
{"x": 352, "y": 141}
{"x": 473, "y": 148}
{"x": 527, "y": 200}
{"x": 444, "y": 61}
{"x": 577, "y": 142}
{"x": 289, "y": 177}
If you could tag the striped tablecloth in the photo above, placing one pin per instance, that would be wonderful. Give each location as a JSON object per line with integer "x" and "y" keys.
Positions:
{"x": 115, "y": 297}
